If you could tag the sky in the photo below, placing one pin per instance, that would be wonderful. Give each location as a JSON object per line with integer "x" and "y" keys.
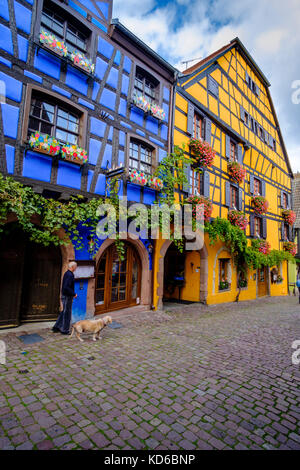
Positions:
{"x": 191, "y": 29}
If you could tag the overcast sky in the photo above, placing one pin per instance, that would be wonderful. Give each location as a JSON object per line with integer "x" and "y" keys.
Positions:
{"x": 270, "y": 30}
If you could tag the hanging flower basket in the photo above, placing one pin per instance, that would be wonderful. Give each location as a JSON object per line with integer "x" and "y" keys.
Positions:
{"x": 155, "y": 183}
{"x": 139, "y": 177}
{"x": 51, "y": 42}
{"x": 289, "y": 216}
{"x": 203, "y": 154}
{"x": 44, "y": 143}
{"x": 74, "y": 154}
{"x": 197, "y": 203}
{"x": 290, "y": 247}
{"x": 82, "y": 62}
{"x": 264, "y": 247}
{"x": 238, "y": 219}
{"x": 260, "y": 204}
{"x": 236, "y": 172}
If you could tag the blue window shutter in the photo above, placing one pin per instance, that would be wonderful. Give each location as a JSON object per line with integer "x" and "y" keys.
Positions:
{"x": 289, "y": 201}
{"x": 207, "y": 134}
{"x": 240, "y": 200}
{"x": 242, "y": 113}
{"x": 227, "y": 193}
{"x": 213, "y": 86}
{"x": 251, "y": 184}
{"x": 282, "y": 230}
{"x": 227, "y": 146}
{"x": 206, "y": 184}
{"x": 263, "y": 188}
{"x": 281, "y": 198}
{"x": 252, "y": 225}
{"x": 186, "y": 186}
{"x": 290, "y": 233}
{"x": 190, "y": 118}
{"x": 239, "y": 154}
{"x": 264, "y": 227}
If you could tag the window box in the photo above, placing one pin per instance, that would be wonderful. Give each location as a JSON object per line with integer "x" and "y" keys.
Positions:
{"x": 260, "y": 204}
{"x": 82, "y": 62}
{"x": 74, "y": 154}
{"x": 197, "y": 202}
{"x": 236, "y": 171}
{"x": 224, "y": 285}
{"x": 155, "y": 183}
{"x": 261, "y": 245}
{"x": 203, "y": 154}
{"x": 289, "y": 216}
{"x": 141, "y": 178}
{"x": 290, "y": 247}
{"x": 148, "y": 107}
{"x": 52, "y": 43}
{"x": 44, "y": 143}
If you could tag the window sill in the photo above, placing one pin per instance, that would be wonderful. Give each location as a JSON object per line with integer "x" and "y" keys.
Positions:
{"x": 228, "y": 289}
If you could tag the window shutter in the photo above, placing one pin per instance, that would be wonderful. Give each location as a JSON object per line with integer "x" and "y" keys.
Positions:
{"x": 240, "y": 200}
{"x": 251, "y": 225}
{"x": 270, "y": 141}
{"x": 227, "y": 193}
{"x": 281, "y": 199}
{"x": 263, "y": 188}
{"x": 213, "y": 86}
{"x": 289, "y": 201}
{"x": 190, "y": 118}
{"x": 290, "y": 233}
{"x": 227, "y": 146}
{"x": 207, "y": 134}
{"x": 282, "y": 230}
{"x": 186, "y": 186}
{"x": 264, "y": 227}
{"x": 251, "y": 184}
{"x": 257, "y": 90}
{"x": 247, "y": 78}
{"x": 242, "y": 113}
{"x": 206, "y": 184}
{"x": 239, "y": 154}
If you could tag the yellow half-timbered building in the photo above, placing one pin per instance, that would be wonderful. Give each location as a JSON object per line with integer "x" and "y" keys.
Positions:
{"x": 225, "y": 101}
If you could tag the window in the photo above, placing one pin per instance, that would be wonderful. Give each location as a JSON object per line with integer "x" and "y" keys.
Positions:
{"x": 48, "y": 117}
{"x": 233, "y": 150}
{"x": 145, "y": 85}
{"x": 140, "y": 157}
{"x": 197, "y": 128}
{"x": 285, "y": 201}
{"x": 246, "y": 119}
{"x": 274, "y": 145}
{"x": 286, "y": 232}
{"x": 196, "y": 182}
{"x": 256, "y": 128}
{"x": 257, "y": 227}
{"x": 261, "y": 133}
{"x": 72, "y": 33}
{"x": 224, "y": 282}
{"x": 257, "y": 187}
{"x": 233, "y": 197}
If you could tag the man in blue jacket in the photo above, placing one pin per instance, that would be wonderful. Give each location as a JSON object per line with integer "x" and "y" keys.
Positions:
{"x": 63, "y": 322}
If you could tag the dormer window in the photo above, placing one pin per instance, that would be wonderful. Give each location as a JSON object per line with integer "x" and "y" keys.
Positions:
{"x": 146, "y": 85}
{"x": 67, "y": 29}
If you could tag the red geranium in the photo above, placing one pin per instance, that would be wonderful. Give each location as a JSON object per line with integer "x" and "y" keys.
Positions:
{"x": 290, "y": 247}
{"x": 200, "y": 206}
{"x": 202, "y": 152}
{"x": 264, "y": 247}
{"x": 236, "y": 171}
{"x": 289, "y": 216}
{"x": 260, "y": 204}
{"x": 238, "y": 218}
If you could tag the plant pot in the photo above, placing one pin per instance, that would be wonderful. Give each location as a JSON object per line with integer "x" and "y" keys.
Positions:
{"x": 72, "y": 159}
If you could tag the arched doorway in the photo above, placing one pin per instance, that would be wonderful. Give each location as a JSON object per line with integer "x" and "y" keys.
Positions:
{"x": 29, "y": 279}
{"x": 118, "y": 283}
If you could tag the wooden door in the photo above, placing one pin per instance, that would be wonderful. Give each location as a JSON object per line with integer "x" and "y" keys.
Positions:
{"x": 262, "y": 282}
{"x": 41, "y": 285}
{"x": 12, "y": 249}
{"x": 117, "y": 282}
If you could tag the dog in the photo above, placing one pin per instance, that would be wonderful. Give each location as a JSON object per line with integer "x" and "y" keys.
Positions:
{"x": 90, "y": 326}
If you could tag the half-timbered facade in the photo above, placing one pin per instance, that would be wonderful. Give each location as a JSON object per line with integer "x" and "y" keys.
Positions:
{"x": 225, "y": 101}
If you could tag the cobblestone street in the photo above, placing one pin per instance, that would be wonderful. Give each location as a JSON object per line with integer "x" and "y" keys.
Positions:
{"x": 192, "y": 377}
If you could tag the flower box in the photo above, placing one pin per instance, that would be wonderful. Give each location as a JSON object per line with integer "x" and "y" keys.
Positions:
{"x": 142, "y": 103}
{"x": 74, "y": 154}
{"x": 224, "y": 285}
{"x": 264, "y": 247}
{"x": 198, "y": 202}
{"x": 82, "y": 62}
{"x": 157, "y": 112}
{"x": 236, "y": 172}
{"x": 238, "y": 219}
{"x": 290, "y": 247}
{"x": 260, "y": 204}
{"x": 155, "y": 183}
{"x": 51, "y": 42}
{"x": 289, "y": 216}
{"x": 139, "y": 177}
{"x": 44, "y": 143}
{"x": 203, "y": 154}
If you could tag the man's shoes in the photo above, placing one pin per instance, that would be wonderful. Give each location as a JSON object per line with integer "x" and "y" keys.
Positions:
{"x": 55, "y": 330}
{"x": 63, "y": 333}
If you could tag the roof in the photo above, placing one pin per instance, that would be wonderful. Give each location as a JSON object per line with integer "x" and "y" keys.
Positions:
{"x": 143, "y": 46}
{"x": 236, "y": 42}
{"x": 296, "y": 198}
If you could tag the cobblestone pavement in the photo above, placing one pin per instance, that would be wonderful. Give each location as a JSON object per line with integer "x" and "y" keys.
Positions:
{"x": 192, "y": 377}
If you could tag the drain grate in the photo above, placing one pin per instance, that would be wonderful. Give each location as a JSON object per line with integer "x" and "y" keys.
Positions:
{"x": 115, "y": 325}
{"x": 31, "y": 339}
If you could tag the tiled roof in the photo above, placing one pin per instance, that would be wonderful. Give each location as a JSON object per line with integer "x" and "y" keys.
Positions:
{"x": 296, "y": 198}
